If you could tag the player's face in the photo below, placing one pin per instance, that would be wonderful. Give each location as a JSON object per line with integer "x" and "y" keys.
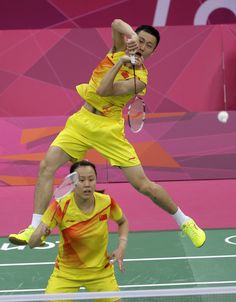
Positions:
{"x": 147, "y": 44}
{"x": 87, "y": 182}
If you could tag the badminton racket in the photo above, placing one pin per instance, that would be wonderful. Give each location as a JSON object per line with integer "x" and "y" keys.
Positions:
{"x": 66, "y": 187}
{"x": 136, "y": 109}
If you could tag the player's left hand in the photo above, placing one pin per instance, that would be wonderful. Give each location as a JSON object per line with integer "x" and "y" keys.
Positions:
{"x": 117, "y": 256}
{"x": 132, "y": 44}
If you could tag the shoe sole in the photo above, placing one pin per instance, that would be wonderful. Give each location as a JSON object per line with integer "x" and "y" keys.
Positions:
{"x": 17, "y": 241}
{"x": 22, "y": 242}
{"x": 202, "y": 244}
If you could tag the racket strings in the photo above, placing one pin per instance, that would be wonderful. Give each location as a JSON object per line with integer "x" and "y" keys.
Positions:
{"x": 136, "y": 115}
{"x": 63, "y": 191}
{"x": 67, "y": 186}
{"x": 136, "y": 110}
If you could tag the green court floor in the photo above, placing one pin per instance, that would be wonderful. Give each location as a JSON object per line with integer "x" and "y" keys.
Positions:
{"x": 153, "y": 260}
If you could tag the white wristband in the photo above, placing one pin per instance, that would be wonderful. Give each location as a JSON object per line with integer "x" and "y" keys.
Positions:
{"x": 124, "y": 239}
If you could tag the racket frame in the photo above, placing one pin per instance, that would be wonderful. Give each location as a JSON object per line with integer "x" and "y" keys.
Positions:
{"x": 136, "y": 96}
{"x": 74, "y": 183}
{"x": 139, "y": 99}
{"x": 58, "y": 198}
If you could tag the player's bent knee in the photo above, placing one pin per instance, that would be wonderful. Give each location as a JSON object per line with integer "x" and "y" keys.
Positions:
{"x": 46, "y": 167}
{"x": 148, "y": 188}
{"x": 144, "y": 188}
{"x": 142, "y": 185}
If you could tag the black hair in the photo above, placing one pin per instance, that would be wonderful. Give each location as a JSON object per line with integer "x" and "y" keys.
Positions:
{"x": 83, "y": 163}
{"x": 151, "y": 30}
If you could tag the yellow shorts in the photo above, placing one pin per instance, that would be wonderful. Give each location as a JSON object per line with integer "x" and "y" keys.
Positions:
{"x": 70, "y": 282}
{"x": 85, "y": 130}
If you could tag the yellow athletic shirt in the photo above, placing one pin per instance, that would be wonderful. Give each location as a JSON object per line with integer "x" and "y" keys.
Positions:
{"x": 110, "y": 106}
{"x": 83, "y": 237}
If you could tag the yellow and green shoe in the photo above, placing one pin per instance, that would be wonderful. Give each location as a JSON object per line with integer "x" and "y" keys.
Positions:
{"x": 22, "y": 238}
{"x": 194, "y": 233}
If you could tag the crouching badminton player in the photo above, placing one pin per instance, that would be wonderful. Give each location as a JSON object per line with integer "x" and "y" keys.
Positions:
{"x": 82, "y": 218}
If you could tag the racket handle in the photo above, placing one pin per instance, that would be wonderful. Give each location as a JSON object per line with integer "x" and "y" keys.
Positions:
{"x": 44, "y": 237}
{"x": 132, "y": 59}
{"x": 112, "y": 261}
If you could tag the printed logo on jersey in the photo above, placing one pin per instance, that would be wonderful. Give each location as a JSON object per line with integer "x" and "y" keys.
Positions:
{"x": 132, "y": 158}
{"x": 106, "y": 109}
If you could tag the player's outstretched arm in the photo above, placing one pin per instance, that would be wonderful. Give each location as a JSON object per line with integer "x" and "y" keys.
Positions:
{"x": 36, "y": 238}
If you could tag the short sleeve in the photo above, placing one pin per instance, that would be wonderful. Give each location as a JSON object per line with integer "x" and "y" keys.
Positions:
{"x": 50, "y": 215}
{"x": 116, "y": 212}
{"x": 127, "y": 73}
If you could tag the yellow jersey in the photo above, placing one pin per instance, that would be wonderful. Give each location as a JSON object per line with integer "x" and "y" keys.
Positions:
{"x": 83, "y": 237}
{"x": 110, "y": 106}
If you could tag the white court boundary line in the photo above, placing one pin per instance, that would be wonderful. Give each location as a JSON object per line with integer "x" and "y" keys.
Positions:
{"x": 129, "y": 260}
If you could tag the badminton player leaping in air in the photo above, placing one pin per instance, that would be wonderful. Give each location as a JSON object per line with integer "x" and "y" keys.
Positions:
{"x": 99, "y": 125}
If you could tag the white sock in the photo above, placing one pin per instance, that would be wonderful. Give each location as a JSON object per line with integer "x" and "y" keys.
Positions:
{"x": 36, "y": 219}
{"x": 180, "y": 217}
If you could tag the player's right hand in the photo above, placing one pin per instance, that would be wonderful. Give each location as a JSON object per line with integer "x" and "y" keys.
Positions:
{"x": 46, "y": 230}
{"x": 132, "y": 44}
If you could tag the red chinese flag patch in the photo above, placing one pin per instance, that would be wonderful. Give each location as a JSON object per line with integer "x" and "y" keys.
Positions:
{"x": 125, "y": 74}
{"x": 103, "y": 217}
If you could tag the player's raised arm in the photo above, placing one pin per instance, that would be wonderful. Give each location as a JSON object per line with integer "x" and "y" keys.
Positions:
{"x": 121, "y": 33}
